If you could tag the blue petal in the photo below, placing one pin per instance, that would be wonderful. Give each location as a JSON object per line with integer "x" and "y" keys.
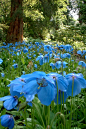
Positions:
{"x": 10, "y": 103}
{"x": 76, "y": 88}
{"x": 7, "y": 121}
{"x": 62, "y": 84}
{"x": 61, "y": 95}
{"x": 29, "y": 97}
{"x": 15, "y": 93}
{"x": 46, "y": 95}
{"x": 5, "y": 98}
{"x": 30, "y": 104}
{"x": 31, "y": 87}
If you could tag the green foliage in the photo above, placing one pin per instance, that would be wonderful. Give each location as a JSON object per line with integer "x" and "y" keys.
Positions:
{"x": 71, "y": 34}
{"x": 5, "y": 7}
{"x": 82, "y": 11}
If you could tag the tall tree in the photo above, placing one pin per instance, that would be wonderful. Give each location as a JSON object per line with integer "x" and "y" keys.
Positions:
{"x": 15, "y": 31}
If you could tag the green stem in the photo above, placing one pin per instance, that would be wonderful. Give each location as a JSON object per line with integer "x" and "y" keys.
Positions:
{"x": 58, "y": 113}
{"x": 52, "y": 105}
{"x": 57, "y": 96}
{"x": 71, "y": 101}
{"x": 48, "y": 114}
{"x": 25, "y": 117}
{"x": 32, "y": 115}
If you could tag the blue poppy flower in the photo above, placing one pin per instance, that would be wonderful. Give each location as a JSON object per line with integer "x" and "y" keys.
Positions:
{"x": 42, "y": 86}
{"x": 50, "y": 54}
{"x": 7, "y": 121}
{"x": 68, "y": 48}
{"x": 4, "y": 43}
{"x": 63, "y": 55}
{"x": 16, "y": 86}
{"x": 61, "y": 47}
{"x": 84, "y": 52}
{"x": 46, "y": 58}
{"x": 68, "y": 55}
{"x": 85, "y": 56}
{"x": 82, "y": 63}
{"x": 64, "y": 64}
{"x": 37, "y": 43}
{"x": 47, "y": 48}
{"x": 29, "y": 77}
{"x": 40, "y": 58}
{"x": 25, "y": 50}
{"x": 31, "y": 87}
{"x": 9, "y": 102}
{"x": 46, "y": 93}
{"x": 58, "y": 64}
{"x": 15, "y": 65}
{"x": 79, "y": 82}
{"x": 35, "y": 66}
{"x": 2, "y": 74}
{"x": 52, "y": 65}
{"x": 61, "y": 81}
{"x": 1, "y": 61}
{"x": 80, "y": 52}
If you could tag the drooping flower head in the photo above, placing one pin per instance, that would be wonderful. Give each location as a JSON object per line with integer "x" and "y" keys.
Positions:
{"x": 15, "y": 65}
{"x": 10, "y": 102}
{"x": 82, "y": 63}
{"x": 62, "y": 85}
{"x": 46, "y": 58}
{"x": 47, "y": 48}
{"x": 80, "y": 52}
{"x": 68, "y": 48}
{"x": 46, "y": 93}
{"x": 7, "y": 121}
{"x": 40, "y": 58}
{"x": 52, "y": 65}
{"x": 25, "y": 50}
{"x": 60, "y": 80}
{"x": 76, "y": 82}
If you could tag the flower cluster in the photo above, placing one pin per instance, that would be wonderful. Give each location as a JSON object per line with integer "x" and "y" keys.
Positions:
{"x": 47, "y": 87}
{"x": 44, "y": 85}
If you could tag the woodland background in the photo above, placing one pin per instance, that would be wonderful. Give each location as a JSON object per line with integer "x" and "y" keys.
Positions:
{"x": 43, "y": 20}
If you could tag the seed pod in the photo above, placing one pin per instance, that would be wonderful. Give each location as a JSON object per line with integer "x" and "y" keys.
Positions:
{"x": 62, "y": 118}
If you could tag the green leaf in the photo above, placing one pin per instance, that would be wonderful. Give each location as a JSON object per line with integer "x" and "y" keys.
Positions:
{"x": 1, "y": 103}
{"x": 16, "y": 113}
{"x": 22, "y": 60}
{"x": 20, "y": 127}
{"x": 3, "y": 112}
{"x": 22, "y": 106}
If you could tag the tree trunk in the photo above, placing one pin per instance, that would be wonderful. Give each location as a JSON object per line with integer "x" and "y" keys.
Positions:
{"x": 15, "y": 31}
